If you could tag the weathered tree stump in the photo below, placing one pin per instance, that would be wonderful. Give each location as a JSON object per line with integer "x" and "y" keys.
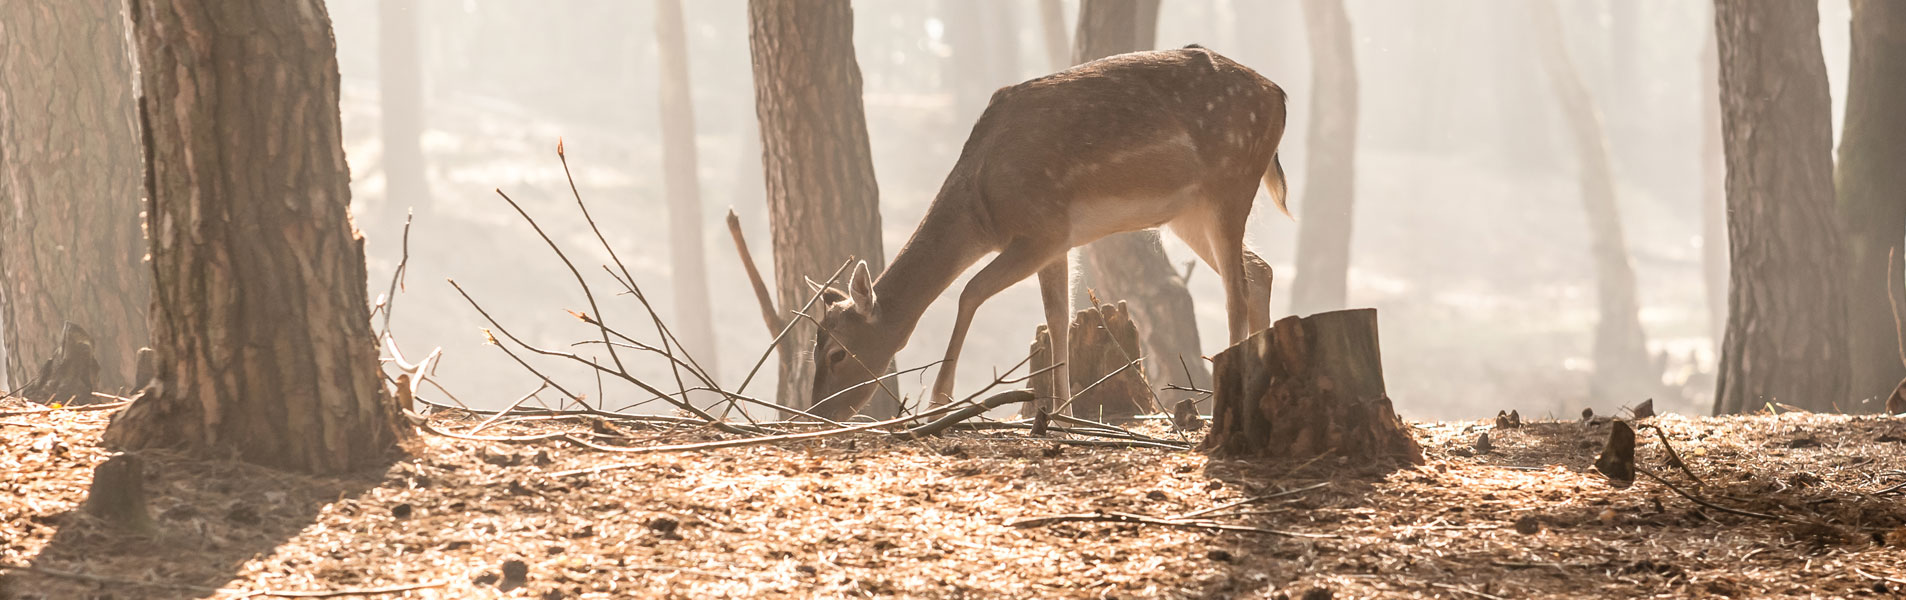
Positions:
{"x": 70, "y": 375}
{"x": 1103, "y": 339}
{"x": 118, "y": 494}
{"x": 1306, "y": 387}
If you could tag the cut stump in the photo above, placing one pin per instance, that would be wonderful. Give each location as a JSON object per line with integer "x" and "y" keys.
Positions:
{"x": 1103, "y": 340}
{"x": 1307, "y": 387}
{"x": 69, "y": 376}
{"x": 118, "y": 494}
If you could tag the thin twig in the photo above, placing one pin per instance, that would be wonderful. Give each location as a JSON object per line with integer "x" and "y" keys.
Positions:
{"x": 80, "y": 408}
{"x": 1251, "y": 500}
{"x": 1116, "y": 517}
{"x": 1107, "y": 377}
{"x": 1698, "y": 500}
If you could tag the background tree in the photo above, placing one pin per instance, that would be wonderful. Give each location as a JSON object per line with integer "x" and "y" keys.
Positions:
{"x": 687, "y": 260}
{"x": 1623, "y": 372}
{"x": 401, "y": 96}
{"x": 1871, "y": 181}
{"x": 70, "y": 240}
{"x": 1323, "y": 234}
{"x": 1132, "y": 266}
{"x": 261, "y": 323}
{"x": 1713, "y": 193}
{"x": 1052, "y": 24}
{"x": 823, "y": 203}
{"x": 1786, "y": 322}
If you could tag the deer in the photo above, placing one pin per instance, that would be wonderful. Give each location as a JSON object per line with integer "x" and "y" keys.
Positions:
{"x": 1173, "y": 138}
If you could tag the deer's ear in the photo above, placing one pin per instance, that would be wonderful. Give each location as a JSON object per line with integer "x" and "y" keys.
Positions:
{"x": 861, "y": 288}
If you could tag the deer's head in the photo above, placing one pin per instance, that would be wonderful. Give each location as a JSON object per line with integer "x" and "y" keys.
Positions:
{"x": 852, "y": 348}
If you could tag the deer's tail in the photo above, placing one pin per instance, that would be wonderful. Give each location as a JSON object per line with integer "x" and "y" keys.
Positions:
{"x": 1274, "y": 181}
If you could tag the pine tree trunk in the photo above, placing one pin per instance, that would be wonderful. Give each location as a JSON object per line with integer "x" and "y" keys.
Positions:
{"x": 1052, "y": 22}
{"x": 822, "y": 199}
{"x": 1323, "y": 234}
{"x": 70, "y": 238}
{"x": 1623, "y": 373}
{"x": 261, "y": 323}
{"x": 400, "y": 94}
{"x": 680, "y": 178}
{"x": 1786, "y": 322}
{"x": 1132, "y": 267}
{"x": 1713, "y": 193}
{"x": 1872, "y": 193}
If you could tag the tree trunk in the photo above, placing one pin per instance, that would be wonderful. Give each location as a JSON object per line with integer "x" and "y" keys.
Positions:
{"x": 1623, "y": 372}
{"x": 1132, "y": 266}
{"x": 822, "y": 200}
{"x": 1713, "y": 193}
{"x": 687, "y": 252}
{"x": 1786, "y": 322}
{"x": 1307, "y": 387}
{"x": 70, "y": 238}
{"x": 1323, "y": 235}
{"x": 400, "y": 93}
{"x": 261, "y": 323}
{"x": 968, "y": 78}
{"x": 1872, "y": 192}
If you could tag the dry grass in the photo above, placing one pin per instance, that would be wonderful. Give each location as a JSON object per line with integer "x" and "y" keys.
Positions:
{"x": 868, "y": 516}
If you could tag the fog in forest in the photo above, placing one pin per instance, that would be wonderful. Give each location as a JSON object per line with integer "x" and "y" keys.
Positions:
{"x": 1469, "y": 231}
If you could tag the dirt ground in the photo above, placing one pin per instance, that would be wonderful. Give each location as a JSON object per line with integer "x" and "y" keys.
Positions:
{"x": 862, "y": 515}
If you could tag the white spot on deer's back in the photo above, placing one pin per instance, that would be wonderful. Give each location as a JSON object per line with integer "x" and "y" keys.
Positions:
{"x": 1254, "y": 116}
{"x": 1210, "y": 106}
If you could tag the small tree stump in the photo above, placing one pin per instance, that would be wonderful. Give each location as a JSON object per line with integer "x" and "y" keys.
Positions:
{"x": 118, "y": 494}
{"x": 70, "y": 375}
{"x": 1103, "y": 339}
{"x": 1305, "y": 387}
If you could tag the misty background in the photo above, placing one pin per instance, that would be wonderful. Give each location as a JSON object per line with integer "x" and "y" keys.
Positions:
{"x": 1470, "y": 236}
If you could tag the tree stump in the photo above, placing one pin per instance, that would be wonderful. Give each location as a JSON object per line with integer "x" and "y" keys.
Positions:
{"x": 70, "y": 375}
{"x": 1306, "y": 387}
{"x": 118, "y": 494}
{"x": 1103, "y": 339}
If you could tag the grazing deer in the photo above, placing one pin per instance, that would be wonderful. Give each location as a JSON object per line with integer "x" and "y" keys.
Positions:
{"x": 1130, "y": 142}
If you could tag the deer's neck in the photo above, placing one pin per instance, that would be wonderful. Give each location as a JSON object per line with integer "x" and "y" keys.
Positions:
{"x": 945, "y": 244}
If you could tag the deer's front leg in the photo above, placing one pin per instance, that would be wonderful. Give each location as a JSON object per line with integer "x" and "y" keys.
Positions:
{"x": 1019, "y": 260}
{"x": 1055, "y": 291}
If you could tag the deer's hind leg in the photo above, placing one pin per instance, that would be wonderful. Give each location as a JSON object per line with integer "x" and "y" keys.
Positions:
{"x": 1216, "y": 233}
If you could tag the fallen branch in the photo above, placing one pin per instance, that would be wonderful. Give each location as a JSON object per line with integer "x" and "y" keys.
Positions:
{"x": 1251, "y": 500}
{"x": 1128, "y": 518}
{"x": 101, "y": 579}
{"x": 81, "y": 408}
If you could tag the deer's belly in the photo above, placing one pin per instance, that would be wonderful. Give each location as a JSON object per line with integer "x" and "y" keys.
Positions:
{"x": 1096, "y": 217}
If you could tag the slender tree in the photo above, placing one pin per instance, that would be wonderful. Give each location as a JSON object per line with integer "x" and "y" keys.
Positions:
{"x": 400, "y": 89}
{"x": 1623, "y": 372}
{"x": 1132, "y": 266}
{"x": 260, "y": 315}
{"x": 687, "y": 253}
{"x": 1872, "y": 192}
{"x": 1323, "y": 235}
{"x": 70, "y": 240}
{"x": 823, "y": 203}
{"x": 1052, "y": 23}
{"x": 1786, "y": 322}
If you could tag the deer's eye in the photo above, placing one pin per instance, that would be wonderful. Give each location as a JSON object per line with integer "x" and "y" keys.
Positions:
{"x": 836, "y": 355}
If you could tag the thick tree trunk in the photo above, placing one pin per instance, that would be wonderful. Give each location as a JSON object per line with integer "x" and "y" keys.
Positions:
{"x": 70, "y": 239}
{"x": 1307, "y": 387}
{"x": 1323, "y": 235}
{"x": 1623, "y": 372}
{"x": 680, "y": 178}
{"x": 822, "y": 199}
{"x": 400, "y": 89}
{"x": 1871, "y": 179}
{"x": 1132, "y": 267}
{"x": 1713, "y": 193}
{"x": 1786, "y": 322}
{"x": 260, "y": 317}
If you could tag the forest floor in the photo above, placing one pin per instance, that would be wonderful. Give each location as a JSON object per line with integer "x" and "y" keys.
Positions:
{"x": 861, "y": 515}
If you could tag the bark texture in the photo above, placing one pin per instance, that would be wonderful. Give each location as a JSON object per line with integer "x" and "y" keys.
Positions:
{"x": 1786, "y": 322}
{"x": 1871, "y": 182}
{"x": 1307, "y": 387}
{"x": 688, "y": 258}
{"x": 261, "y": 323}
{"x": 1623, "y": 373}
{"x": 823, "y": 203}
{"x": 70, "y": 239}
{"x": 1323, "y": 234}
{"x": 401, "y": 97}
{"x": 1132, "y": 267}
